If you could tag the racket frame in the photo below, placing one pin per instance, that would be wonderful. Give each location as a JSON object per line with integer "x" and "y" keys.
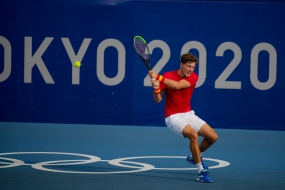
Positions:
{"x": 147, "y": 62}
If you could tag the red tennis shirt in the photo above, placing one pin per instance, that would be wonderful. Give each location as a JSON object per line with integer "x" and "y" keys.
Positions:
{"x": 178, "y": 101}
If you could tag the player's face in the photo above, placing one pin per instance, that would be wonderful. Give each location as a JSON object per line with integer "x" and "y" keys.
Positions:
{"x": 187, "y": 68}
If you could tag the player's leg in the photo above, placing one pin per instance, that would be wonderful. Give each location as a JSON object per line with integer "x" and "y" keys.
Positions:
{"x": 210, "y": 137}
{"x": 197, "y": 124}
{"x": 192, "y": 135}
{"x": 181, "y": 124}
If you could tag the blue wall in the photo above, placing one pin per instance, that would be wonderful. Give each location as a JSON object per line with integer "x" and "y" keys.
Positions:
{"x": 240, "y": 46}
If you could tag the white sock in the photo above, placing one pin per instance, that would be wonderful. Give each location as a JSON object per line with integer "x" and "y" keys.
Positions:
{"x": 200, "y": 167}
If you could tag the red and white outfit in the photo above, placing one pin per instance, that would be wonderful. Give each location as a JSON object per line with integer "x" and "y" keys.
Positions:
{"x": 178, "y": 111}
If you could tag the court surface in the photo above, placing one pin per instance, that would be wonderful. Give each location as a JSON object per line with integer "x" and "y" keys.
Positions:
{"x": 65, "y": 156}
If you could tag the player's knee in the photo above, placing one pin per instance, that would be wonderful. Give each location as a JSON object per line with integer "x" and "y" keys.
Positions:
{"x": 215, "y": 137}
{"x": 193, "y": 136}
{"x": 190, "y": 133}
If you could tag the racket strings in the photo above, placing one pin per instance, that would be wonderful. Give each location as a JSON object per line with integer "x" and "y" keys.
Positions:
{"x": 142, "y": 49}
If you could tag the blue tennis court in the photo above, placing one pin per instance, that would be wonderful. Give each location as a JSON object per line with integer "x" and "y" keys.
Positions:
{"x": 65, "y": 156}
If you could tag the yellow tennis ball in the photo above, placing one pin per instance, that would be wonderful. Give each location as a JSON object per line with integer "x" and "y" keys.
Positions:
{"x": 77, "y": 64}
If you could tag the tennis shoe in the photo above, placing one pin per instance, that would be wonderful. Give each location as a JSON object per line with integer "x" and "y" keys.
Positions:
{"x": 204, "y": 177}
{"x": 192, "y": 161}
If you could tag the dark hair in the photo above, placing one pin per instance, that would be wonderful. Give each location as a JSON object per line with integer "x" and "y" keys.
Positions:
{"x": 188, "y": 57}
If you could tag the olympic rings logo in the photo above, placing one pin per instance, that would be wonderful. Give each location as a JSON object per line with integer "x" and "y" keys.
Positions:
{"x": 120, "y": 162}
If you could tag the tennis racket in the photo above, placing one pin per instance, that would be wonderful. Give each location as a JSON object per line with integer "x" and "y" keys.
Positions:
{"x": 141, "y": 48}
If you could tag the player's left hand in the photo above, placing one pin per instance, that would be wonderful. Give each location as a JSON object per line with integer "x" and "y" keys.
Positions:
{"x": 154, "y": 83}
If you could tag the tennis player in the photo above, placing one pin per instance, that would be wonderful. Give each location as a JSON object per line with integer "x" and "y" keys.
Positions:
{"x": 178, "y": 86}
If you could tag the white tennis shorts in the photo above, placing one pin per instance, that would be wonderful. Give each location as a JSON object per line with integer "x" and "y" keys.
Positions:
{"x": 177, "y": 122}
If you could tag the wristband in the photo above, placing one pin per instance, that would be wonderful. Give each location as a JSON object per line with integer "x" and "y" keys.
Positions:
{"x": 157, "y": 76}
{"x": 160, "y": 78}
{"x": 157, "y": 91}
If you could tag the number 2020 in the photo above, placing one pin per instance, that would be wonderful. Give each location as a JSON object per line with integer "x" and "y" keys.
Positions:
{"x": 221, "y": 82}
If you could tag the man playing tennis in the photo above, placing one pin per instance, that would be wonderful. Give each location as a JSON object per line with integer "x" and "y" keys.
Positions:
{"x": 178, "y": 86}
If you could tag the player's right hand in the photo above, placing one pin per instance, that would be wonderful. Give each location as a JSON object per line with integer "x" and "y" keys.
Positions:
{"x": 152, "y": 74}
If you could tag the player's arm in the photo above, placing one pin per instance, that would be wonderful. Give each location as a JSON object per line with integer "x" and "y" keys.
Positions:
{"x": 170, "y": 83}
{"x": 176, "y": 84}
{"x": 157, "y": 97}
